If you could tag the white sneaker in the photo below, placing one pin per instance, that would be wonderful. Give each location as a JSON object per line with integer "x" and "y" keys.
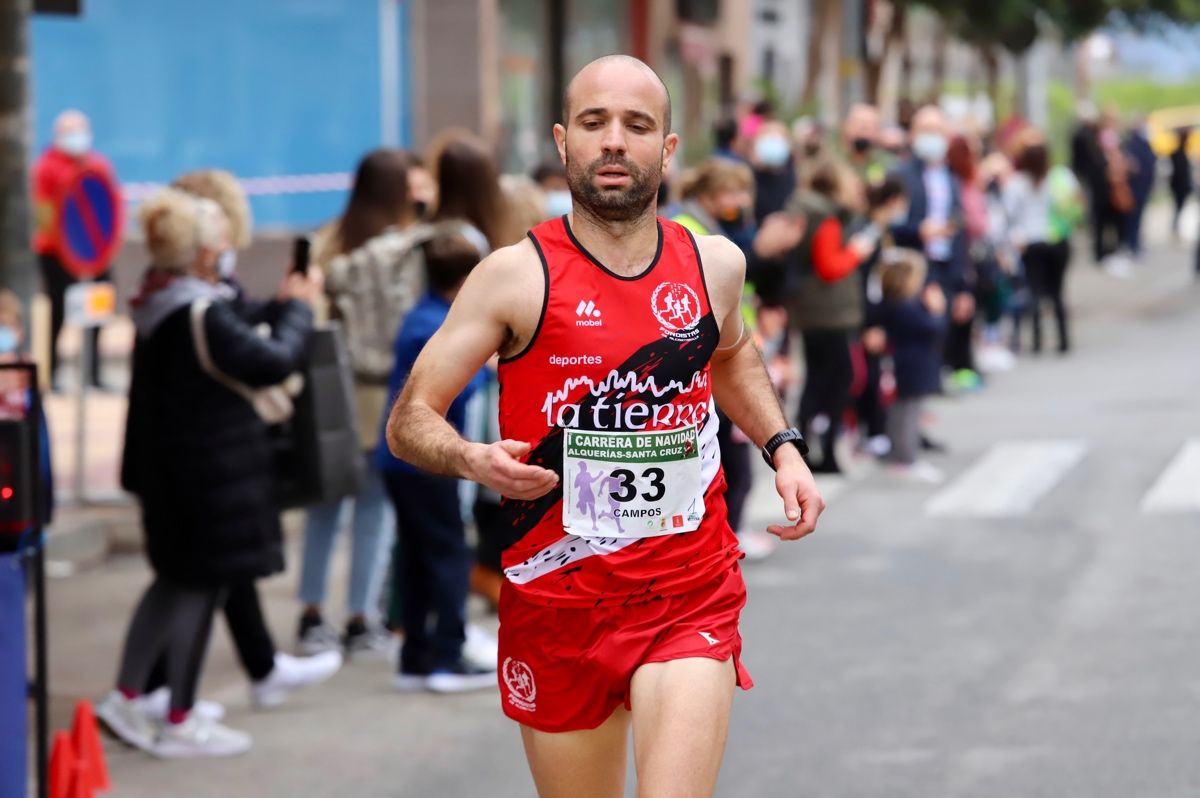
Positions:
{"x": 756, "y": 544}
{"x": 127, "y": 720}
{"x": 995, "y": 358}
{"x": 410, "y": 682}
{"x": 318, "y": 639}
{"x": 157, "y": 704}
{"x": 291, "y": 673}
{"x": 376, "y": 644}
{"x": 197, "y": 738}
{"x": 481, "y": 649}
{"x": 463, "y": 677}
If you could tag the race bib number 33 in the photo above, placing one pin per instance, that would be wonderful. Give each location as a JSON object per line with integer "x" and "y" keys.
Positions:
{"x": 632, "y": 484}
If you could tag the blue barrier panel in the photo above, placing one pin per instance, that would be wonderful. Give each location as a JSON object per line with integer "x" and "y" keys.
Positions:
{"x": 14, "y": 686}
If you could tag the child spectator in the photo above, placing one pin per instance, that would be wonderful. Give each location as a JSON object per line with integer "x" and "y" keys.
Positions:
{"x": 435, "y": 560}
{"x": 914, "y": 320}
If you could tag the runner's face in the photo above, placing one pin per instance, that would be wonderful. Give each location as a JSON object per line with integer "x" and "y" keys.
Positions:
{"x": 614, "y": 145}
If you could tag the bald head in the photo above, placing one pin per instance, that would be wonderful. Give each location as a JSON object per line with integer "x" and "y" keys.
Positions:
{"x": 617, "y": 70}
{"x": 929, "y": 119}
{"x": 73, "y": 134}
{"x": 70, "y": 122}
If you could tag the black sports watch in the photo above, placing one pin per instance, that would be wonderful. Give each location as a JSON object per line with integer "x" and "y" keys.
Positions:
{"x": 790, "y": 435}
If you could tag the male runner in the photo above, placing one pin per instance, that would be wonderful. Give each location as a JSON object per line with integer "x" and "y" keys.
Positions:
{"x": 616, "y": 331}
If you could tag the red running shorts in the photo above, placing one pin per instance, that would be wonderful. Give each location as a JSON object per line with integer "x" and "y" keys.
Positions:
{"x": 568, "y": 669}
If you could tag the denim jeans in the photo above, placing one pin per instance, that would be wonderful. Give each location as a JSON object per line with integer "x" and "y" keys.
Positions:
{"x": 373, "y": 530}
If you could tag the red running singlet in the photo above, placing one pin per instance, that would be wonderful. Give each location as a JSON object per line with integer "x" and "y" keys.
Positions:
{"x": 613, "y": 394}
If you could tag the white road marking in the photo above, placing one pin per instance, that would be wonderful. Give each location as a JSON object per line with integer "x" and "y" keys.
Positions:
{"x": 1178, "y": 487}
{"x": 1009, "y": 480}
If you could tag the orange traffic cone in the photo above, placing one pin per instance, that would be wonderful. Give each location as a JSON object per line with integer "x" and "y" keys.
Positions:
{"x": 62, "y": 765}
{"x": 86, "y": 738}
{"x": 81, "y": 781}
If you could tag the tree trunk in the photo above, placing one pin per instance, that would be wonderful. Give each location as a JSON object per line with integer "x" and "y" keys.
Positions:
{"x": 991, "y": 69}
{"x": 818, "y": 25}
{"x": 17, "y": 272}
{"x": 875, "y": 69}
{"x": 940, "y": 43}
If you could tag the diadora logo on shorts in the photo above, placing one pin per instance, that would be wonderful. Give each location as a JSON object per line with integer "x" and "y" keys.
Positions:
{"x": 677, "y": 308}
{"x": 588, "y": 314}
{"x": 518, "y": 678}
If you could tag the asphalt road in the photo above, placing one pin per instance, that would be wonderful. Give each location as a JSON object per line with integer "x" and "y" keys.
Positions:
{"x": 1027, "y": 629}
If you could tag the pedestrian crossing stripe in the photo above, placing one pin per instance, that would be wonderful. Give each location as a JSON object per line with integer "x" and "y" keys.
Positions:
{"x": 1009, "y": 480}
{"x": 1177, "y": 489}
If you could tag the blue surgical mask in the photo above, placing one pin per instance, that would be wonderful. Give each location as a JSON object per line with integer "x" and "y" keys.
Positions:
{"x": 558, "y": 203}
{"x": 772, "y": 151}
{"x": 8, "y": 341}
{"x": 227, "y": 264}
{"x": 930, "y": 147}
{"x": 76, "y": 143}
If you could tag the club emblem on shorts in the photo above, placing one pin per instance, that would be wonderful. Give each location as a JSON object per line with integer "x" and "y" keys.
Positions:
{"x": 518, "y": 678}
{"x": 677, "y": 308}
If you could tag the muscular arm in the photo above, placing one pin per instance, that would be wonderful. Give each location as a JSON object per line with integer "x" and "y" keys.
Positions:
{"x": 491, "y": 313}
{"x": 743, "y": 390}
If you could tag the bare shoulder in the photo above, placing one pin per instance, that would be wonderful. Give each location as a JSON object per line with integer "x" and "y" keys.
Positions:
{"x": 507, "y": 286}
{"x": 724, "y": 267}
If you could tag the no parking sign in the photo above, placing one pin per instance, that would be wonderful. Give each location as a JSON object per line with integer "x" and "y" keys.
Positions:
{"x": 89, "y": 224}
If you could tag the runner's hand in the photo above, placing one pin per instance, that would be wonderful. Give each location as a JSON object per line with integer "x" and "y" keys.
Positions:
{"x": 802, "y": 502}
{"x": 495, "y": 465}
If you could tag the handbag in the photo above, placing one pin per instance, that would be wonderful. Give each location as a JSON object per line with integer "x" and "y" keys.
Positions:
{"x": 273, "y": 404}
{"x": 318, "y": 452}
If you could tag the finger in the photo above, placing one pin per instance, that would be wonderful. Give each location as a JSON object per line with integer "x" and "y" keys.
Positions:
{"x": 521, "y": 472}
{"x": 791, "y": 506}
{"x": 526, "y": 493}
{"x": 516, "y": 448}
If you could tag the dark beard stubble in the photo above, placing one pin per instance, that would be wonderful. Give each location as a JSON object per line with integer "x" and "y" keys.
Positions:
{"x": 612, "y": 205}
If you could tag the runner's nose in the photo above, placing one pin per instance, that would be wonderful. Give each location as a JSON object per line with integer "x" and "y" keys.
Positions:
{"x": 614, "y": 138}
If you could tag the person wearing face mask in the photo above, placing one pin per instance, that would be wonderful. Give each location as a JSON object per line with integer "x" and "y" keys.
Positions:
{"x": 53, "y": 175}
{"x": 223, "y": 188}
{"x": 774, "y": 170}
{"x": 716, "y": 199}
{"x": 198, "y": 458}
{"x": 935, "y": 226}
{"x": 551, "y": 177}
{"x": 860, "y": 143}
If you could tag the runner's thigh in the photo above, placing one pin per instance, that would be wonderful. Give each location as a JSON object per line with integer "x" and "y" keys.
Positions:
{"x": 579, "y": 764}
{"x": 680, "y": 719}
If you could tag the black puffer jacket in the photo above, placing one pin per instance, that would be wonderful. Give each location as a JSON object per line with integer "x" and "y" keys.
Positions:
{"x": 196, "y": 454}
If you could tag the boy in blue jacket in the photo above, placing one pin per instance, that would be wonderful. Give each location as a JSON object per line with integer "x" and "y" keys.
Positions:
{"x": 434, "y": 559}
{"x": 913, "y": 315}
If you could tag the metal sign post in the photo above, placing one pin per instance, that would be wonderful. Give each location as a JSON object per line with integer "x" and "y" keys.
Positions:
{"x": 88, "y": 306}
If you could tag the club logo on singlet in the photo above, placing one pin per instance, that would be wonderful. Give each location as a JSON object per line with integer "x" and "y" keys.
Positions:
{"x": 518, "y": 678}
{"x": 677, "y": 308}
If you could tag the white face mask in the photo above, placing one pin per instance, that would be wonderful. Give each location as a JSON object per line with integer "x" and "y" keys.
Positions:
{"x": 227, "y": 264}
{"x": 76, "y": 142}
{"x": 930, "y": 147}
{"x": 9, "y": 339}
{"x": 558, "y": 203}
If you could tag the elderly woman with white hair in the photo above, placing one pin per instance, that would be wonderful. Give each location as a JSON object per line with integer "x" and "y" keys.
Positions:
{"x": 198, "y": 459}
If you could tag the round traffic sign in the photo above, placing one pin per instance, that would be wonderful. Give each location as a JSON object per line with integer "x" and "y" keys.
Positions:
{"x": 89, "y": 224}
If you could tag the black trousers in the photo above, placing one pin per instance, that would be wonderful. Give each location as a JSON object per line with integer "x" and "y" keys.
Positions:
{"x": 1107, "y": 224}
{"x": 827, "y": 380}
{"x": 55, "y": 281}
{"x": 248, "y": 628}
{"x": 872, "y": 415}
{"x": 172, "y": 623}
{"x": 739, "y": 471}
{"x": 435, "y": 563}
{"x": 495, "y": 534}
{"x": 1046, "y": 270}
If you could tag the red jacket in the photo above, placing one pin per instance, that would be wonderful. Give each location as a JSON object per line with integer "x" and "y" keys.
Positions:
{"x": 53, "y": 174}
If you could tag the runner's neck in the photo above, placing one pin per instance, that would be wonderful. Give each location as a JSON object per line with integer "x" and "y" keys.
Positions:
{"x": 626, "y": 248}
